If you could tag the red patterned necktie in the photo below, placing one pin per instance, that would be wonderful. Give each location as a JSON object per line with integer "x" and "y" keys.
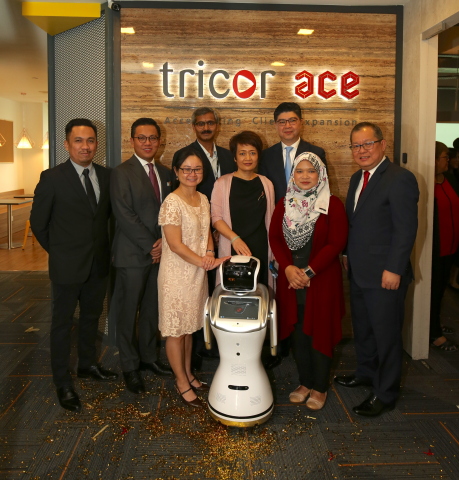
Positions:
{"x": 366, "y": 176}
{"x": 154, "y": 181}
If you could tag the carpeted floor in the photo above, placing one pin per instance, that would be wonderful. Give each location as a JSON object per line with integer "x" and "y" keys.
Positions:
{"x": 120, "y": 436}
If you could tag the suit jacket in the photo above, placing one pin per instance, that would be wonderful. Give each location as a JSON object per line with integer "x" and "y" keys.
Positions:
{"x": 65, "y": 226}
{"x": 382, "y": 228}
{"x": 136, "y": 209}
{"x": 225, "y": 160}
{"x": 272, "y": 164}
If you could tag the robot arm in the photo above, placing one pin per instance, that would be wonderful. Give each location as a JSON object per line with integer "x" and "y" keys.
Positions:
{"x": 207, "y": 330}
{"x": 272, "y": 314}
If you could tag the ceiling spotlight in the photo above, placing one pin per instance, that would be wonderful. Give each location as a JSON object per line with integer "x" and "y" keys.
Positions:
{"x": 128, "y": 30}
{"x": 305, "y": 31}
{"x": 278, "y": 64}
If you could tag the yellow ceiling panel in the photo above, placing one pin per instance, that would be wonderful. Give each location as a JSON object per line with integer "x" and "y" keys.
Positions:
{"x": 56, "y": 18}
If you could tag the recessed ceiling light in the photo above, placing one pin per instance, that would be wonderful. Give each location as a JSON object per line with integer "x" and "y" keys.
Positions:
{"x": 305, "y": 31}
{"x": 148, "y": 65}
{"x": 128, "y": 30}
{"x": 278, "y": 64}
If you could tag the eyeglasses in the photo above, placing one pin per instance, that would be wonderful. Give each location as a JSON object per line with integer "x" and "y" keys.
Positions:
{"x": 188, "y": 170}
{"x": 366, "y": 146}
{"x": 209, "y": 123}
{"x": 291, "y": 121}
{"x": 143, "y": 138}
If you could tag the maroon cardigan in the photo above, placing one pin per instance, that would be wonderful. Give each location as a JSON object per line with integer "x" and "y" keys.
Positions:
{"x": 324, "y": 307}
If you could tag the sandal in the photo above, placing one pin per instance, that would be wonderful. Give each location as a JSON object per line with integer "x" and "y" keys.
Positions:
{"x": 446, "y": 346}
{"x": 298, "y": 397}
{"x": 447, "y": 330}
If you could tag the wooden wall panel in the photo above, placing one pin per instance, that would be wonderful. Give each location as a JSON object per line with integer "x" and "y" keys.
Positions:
{"x": 342, "y": 42}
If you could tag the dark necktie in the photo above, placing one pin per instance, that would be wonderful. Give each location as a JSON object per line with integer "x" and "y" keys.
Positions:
{"x": 90, "y": 190}
{"x": 154, "y": 181}
{"x": 366, "y": 176}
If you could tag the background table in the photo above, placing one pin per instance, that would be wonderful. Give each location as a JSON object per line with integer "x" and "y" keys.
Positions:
{"x": 9, "y": 202}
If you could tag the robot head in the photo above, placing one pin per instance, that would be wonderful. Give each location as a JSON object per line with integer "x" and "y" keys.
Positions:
{"x": 239, "y": 274}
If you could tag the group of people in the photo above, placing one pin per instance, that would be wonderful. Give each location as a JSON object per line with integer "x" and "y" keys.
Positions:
{"x": 175, "y": 227}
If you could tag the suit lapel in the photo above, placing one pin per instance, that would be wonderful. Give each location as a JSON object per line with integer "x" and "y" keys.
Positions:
{"x": 138, "y": 171}
{"x": 374, "y": 180}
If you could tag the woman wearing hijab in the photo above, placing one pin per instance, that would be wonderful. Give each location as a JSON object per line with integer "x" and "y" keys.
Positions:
{"x": 308, "y": 231}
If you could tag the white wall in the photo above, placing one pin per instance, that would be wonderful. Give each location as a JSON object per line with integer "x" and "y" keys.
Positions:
{"x": 447, "y": 133}
{"x": 25, "y": 171}
{"x": 418, "y": 141}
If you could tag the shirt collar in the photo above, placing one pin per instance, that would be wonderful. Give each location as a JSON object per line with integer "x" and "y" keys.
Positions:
{"x": 373, "y": 170}
{"x": 294, "y": 145}
{"x": 80, "y": 169}
{"x": 206, "y": 152}
{"x": 144, "y": 162}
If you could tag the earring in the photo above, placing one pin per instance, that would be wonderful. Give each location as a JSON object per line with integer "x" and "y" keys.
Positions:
{"x": 176, "y": 177}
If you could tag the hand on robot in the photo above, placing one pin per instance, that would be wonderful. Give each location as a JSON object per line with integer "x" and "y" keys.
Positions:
{"x": 296, "y": 277}
{"x": 209, "y": 262}
{"x": 241, "y": 248}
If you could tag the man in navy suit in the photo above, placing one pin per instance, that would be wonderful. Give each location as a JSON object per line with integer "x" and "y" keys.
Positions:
{"x": 217, "y": 161}
{"x": 138, "y": 186}
{"x": 276, "y": 161}
{"x": 69, "y": 217}
{"x": 383, "y": 217}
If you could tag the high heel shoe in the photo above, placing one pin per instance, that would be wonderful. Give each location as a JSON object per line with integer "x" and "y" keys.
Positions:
{"x": 197, "y": 402}
{"x": 202, "y": 388}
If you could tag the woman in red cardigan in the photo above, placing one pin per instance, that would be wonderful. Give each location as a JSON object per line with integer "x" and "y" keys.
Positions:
{"x": 308, "y": 232}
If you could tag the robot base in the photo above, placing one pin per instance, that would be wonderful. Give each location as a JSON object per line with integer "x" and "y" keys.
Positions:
{"x": 240, "y": 422}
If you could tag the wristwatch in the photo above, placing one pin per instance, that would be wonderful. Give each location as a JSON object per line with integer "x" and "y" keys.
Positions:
{"x": 308, "y": 271}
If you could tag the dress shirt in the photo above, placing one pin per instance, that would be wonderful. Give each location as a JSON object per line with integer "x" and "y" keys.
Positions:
{"x": 292, "y": 152}
{"x": 92, "y": 177}
{"x": 144, "y": 164}
{"x": 360, "y": 185}
{"x": 213, "y": 159}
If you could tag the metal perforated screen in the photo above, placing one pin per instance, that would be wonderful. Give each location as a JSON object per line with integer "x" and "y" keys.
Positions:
{"x": 80, "y": 82}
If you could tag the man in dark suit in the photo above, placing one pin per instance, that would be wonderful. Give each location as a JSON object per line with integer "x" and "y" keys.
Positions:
{"x": 69, "y": 217}
{"x": 138, "y": 186}
{"x": 383, "y": 217}
{"x": 217, "y": 160}
{"x": 276, "y": 161}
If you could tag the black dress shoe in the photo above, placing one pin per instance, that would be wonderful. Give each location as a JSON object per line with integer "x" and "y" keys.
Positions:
{"x": 68, "y": 399}
{"x": 372, "y": 406}
{"x": 272, "y": 362}
{"x": 96, "y": 372}
{"x": 157, "y": 367}
{"x": 353, "y": 381}
{"x": 134, "y": 382}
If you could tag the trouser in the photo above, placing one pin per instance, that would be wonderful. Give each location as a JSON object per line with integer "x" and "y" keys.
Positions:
{"x": 135, "y": 300}
{"x": 377, "y": 319}
{"x": 441, "y": 268}
{"x": 313, "y": 366}
{"x": 90, "y": 296}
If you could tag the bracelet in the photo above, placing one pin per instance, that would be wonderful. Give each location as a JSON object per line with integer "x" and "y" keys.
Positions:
{"x": 211, "y": 251}
{"x": 235, "y": 238}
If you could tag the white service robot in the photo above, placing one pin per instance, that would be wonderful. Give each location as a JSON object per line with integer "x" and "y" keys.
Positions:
{"x": 238, "y": 313}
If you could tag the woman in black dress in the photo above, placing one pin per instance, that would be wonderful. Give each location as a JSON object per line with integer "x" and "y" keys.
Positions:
{"x": 242, "y": 204}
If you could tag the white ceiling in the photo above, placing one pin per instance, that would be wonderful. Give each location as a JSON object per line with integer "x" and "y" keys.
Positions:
{"x": 23, "y": 57}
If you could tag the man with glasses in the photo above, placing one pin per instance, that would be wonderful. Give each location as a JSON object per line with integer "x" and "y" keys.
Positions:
{"x": 217, "y": 161}
{"x": 138, "y": 186}
{"x": 276, "y": 161}
{"x": 382, "y": 210}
